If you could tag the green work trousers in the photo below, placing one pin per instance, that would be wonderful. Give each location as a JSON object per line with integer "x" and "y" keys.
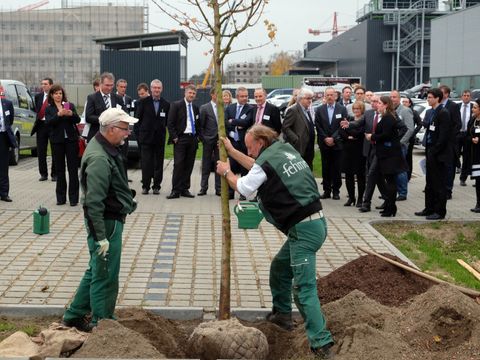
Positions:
{"x": 296, "y": 261}
{"x": 98, "y": 289}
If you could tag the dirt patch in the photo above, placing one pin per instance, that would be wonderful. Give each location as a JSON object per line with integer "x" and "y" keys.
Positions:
{"x": 381, "y": 281}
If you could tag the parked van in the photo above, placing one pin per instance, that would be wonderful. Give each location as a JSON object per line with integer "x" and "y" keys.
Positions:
{"x": 24, "y": 108}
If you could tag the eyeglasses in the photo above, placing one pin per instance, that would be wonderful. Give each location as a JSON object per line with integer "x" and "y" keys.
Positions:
{"x": 121, "y": 128}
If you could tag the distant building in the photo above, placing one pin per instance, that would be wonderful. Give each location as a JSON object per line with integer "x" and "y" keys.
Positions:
{"x": 246, "y": 72}
{"x": 59, "y": 43}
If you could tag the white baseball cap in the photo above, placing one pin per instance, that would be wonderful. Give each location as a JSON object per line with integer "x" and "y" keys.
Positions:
{"x": 115, "y": 115}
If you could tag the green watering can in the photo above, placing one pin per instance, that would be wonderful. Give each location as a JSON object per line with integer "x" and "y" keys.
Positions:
{"x": 41, "y": 221}
{"x": 248, "y": 214}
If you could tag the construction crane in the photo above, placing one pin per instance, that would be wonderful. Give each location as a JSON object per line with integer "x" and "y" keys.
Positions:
{"x": 334, "y": 30}
{"x": 33, "y": 6}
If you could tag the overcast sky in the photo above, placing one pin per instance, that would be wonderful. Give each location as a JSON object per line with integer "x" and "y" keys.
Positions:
{"x": 292, "y": 17}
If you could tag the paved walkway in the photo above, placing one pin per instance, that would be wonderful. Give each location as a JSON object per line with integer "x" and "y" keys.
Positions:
{"x": 172, "y": 248}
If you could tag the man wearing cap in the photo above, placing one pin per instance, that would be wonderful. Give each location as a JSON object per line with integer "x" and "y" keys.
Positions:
{"x": 107, "y": 200}
{"x": 288, "y": 197}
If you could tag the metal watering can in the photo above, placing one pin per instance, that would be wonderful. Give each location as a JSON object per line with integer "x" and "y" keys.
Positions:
{"x": 41, "y": 221}
{"x": 248, "y": 214}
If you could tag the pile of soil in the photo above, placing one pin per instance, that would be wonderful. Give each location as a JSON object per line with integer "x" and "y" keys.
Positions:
{"x": 376, "y": 278}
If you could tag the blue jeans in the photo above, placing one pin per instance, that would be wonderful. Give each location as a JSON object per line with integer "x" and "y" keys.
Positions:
{"x": 402, "y": 178}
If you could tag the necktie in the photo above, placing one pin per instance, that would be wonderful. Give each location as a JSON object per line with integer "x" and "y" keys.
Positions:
{"x": 107, "y": 103}
{"x": 236, "y": 137}
{"x": 258, "y": 120}
{"x": 156, "y": 104}
{"x": 374, "y": 127}
{"x": 2, "y": 120}
{"x": 330, "y": 113}
{"x": 239, "y": 110}
{"x": 192, "y": 122}
{"x": 464, "y": 117}
{"x": 41, "y": 113}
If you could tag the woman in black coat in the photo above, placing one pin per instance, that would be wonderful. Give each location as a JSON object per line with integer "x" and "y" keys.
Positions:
{"x": 353, "y": 161}
{"x": 61, "y": 119}
{"x": 473, "y": 133}
{"x": 388, "y": 151}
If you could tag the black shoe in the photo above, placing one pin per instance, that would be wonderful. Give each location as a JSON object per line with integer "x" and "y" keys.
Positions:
{"x": 6, "y": 198}
{"x": 282, "y": 320}
{"x": 173, "y": 195}
{"x": 145, "y": 191}
{"x": 401, "y": 198}
{"x": 476, "y": 209}
{"x": 242, "y": 198}
{"x": 386, "y": 213}
{"x": 54, "y": 178}
{"x": 324, "y": 352}
{"x": 202, "y": 192}
{"x": 156, "y": 191}
{"x": 325, "y": 195}
{"x": 359, "y": 204}
{"x": 218, "y": 193}
{"x": 80, "y": 324}
{"x": 435, "y": 216}
{"x": 187, "y": 194}
{"x": 61, "y": 202}
{"x": 231, "y": 196}
{"x": 364, "y": 208}
{"x": 350, "y": 202}
{"x": 463, "y": 183}
{"x": 130, "y": 180}
{"x": 424, "y": 212}
{"x": 43, "y": 178}
{"x": 449, "y": 196}
{"x": 381, "y": 207}
{"x": 336, "y": 197}
{"x": 73, "y": 203}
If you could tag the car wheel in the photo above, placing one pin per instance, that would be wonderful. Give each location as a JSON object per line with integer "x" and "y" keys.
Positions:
{"x": 15, "y": 153}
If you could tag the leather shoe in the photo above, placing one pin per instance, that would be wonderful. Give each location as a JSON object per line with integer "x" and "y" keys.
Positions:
{"x": 435, "y": 216}
{"x": 73, "y": 203}
{"x": 81, "y": 324}
{"x": 173, "y": 195}
{"x": 202, "y": 192}
{"x": 145, "y": 191}
{"x": 449, "y": 196}
{"x": 463, "y": 183}
{"x": 242, "y": 198}
{"x": 381, "y": 207}
{"x": 336, "y": 197}
{"x": 54, "y": 178}
{"x": 43, "y": 178}
{"x": 424, "y": 212}
{"x": 61, "y": 202}
{"x": 364, "y": 208}
{"x": 476, "y": 209}
{"x": 6, "y": 198}
{"x": 218, "y": 193}
{"x": 156, "y": 191}
{"x": 324, "y": 352}
{"x": 280, "y": 319}
{"x": 401, "y": 198}
{"x": 325, "y": 195}
{"x": 187, "y": 194}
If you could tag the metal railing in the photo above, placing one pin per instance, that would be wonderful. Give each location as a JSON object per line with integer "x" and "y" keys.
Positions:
{"x": 403, "y": 5}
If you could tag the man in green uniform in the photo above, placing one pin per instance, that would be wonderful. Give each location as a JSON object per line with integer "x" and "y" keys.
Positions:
{"x": 288, "y": 196}
{"x": 106, "y": 200}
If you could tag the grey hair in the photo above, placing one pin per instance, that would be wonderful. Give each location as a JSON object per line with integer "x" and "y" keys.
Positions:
{"x": 304, "y": 92}
{"x": 156, "y": 81}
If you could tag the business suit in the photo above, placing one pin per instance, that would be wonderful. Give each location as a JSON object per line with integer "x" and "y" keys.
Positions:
{"x": 464, "y": 143}
{"x": 439, "y": 154}
{"x": 185, "y": 144}
{"x": 208, "y": 134}
{"x": 270, "y": 117}
{"x": 95, "y": 107}
{"x": 41, "y": 131}
{"x": 7, "y": 141}
{"x": 152, "y": 130}
{"x": 456, "y": 119}
{"x": 238, "y": 125}
{"x": 63, "y": 135}
{"x": 331, "y": 155}
{"x": 298, "y": 130}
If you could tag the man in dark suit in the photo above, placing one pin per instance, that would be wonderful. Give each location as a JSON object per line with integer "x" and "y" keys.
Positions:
{"x": 346, "y": 97}
{"x": 327, "y": 121}
{"x": 439, "y": 152}
{"x": 208, "y": 134}
{"x": 152, "y": 114}
{"x": 121, "y": 86}
{"x": 182, "y": 127}
{"x": 99, "y": 101}
{"x": 464, "y": 145}
{"x": 265, "y": 113}
{"x": 454, "y": 112}
{"x": 41, "y": 129}
{"x": 298, "y": 127}
{"x": 7, "y": 141}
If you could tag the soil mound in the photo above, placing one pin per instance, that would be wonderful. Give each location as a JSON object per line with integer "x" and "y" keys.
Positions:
{"x": 111, "y": 339}
{"x": 379, "y": 280}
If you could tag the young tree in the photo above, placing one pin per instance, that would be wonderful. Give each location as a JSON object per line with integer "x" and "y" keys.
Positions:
{"x": 220, "y": 22}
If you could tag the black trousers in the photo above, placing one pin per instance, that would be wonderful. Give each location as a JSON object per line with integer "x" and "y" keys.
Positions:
{"x": 436, "y": 187}
{"x": 152, "y": 164}
{"x": 66, "y": 151}
{"x": 183, "y": 160}
{"x": 390, "y": 192}
{"x": 350, "y": 184}
{"x": 42, "y": 146}
{"x": 210, "y": 152}
{"x": 464, "y": 148}
{"x": 4, "y": 159}
{"x": 331, "y": 170}
{"x": 374, "y": 178}
{"x": 410, "y": 160}
{"x": 477, "y": 190}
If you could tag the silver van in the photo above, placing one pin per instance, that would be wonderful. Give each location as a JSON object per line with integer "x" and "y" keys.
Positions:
{"x": 24, "y": 108}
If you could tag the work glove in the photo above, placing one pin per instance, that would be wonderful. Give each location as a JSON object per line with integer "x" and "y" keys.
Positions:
{"x": 103, "y": 247}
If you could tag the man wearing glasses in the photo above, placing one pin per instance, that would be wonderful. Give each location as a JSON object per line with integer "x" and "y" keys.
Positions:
{"x": 107, "y": 200}
{"x": 298, "y": 127}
